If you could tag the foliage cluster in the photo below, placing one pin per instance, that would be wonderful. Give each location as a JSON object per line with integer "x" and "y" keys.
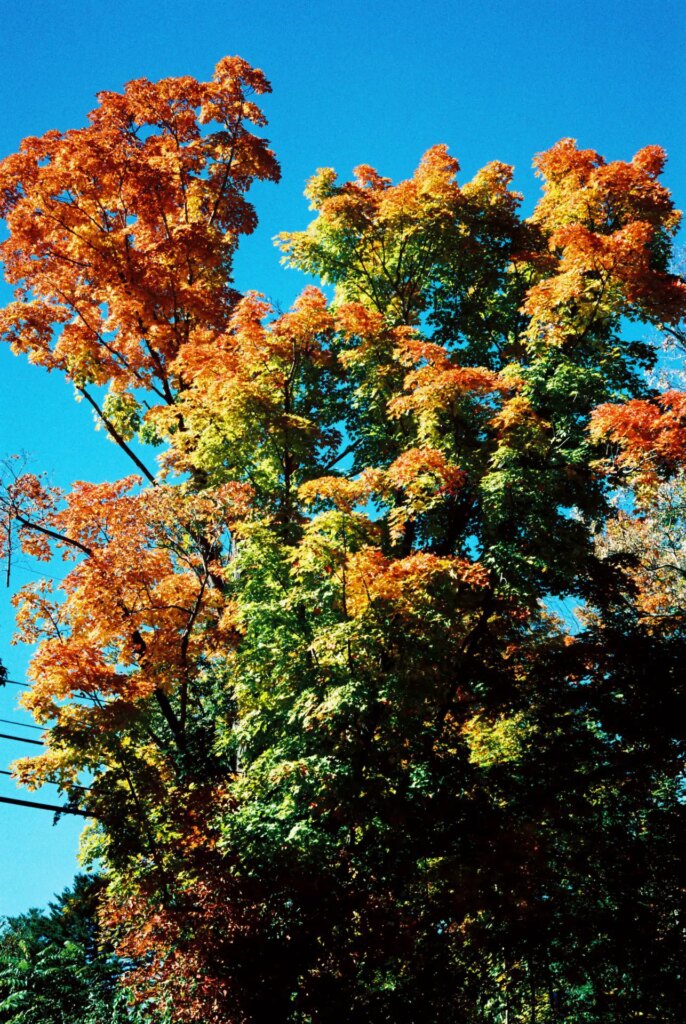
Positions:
{"x": 345, "y": 762}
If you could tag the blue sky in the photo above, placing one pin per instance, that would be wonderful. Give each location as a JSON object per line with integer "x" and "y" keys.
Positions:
{"x": 354, "y": 82}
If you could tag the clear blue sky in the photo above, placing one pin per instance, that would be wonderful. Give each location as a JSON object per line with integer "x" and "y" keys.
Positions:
{"x": 354, "y": 82}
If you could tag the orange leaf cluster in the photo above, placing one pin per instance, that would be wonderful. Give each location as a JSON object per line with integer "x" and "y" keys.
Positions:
{"x": 28, "y": 502}
{"x": 370, "y": 197}
{"x": 602, "y": 222}
{"x": 651, "y": 435}
{"x": 580, "y": 187}
{"x": 254, "y": 353}
{"x": 143, "y": 603}
{"x": 420, "y": 475}
{"x": 121, "y": 233}
{"x": 405, "y": 585}
{"x": 438, "y": 380}
{"x": 246, "y": 381}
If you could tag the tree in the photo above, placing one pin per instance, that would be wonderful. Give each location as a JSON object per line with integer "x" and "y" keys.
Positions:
{"x": 342, "y": 753}
{"x": 53, "y": 968}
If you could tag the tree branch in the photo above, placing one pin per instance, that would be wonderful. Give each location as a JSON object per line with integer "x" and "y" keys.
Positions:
{"x": 116, "y": 436}
{"x": 52, "y": 533}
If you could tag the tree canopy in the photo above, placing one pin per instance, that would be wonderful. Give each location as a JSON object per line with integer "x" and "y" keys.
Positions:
{"x": 348, "y": 753}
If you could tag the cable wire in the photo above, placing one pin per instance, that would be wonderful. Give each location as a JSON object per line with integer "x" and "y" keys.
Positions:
{"x": 20, "y": 739}
{"x": 57, "y": 808}
{"x": 84, "y": 789}
{"x": 23, "y": 725}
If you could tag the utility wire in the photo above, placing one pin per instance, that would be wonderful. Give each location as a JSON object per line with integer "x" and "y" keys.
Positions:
{"x": 24, "y": 725}
{"x": 57, "y": 808}
{"x": 84, "y": 789}
{"x": 26, "y": 686}
{"x": 23, "y": 567}
{"x": 20, "y": 739}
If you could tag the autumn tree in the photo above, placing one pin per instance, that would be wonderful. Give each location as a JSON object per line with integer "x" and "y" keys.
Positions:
{"x": 344, "y": 744}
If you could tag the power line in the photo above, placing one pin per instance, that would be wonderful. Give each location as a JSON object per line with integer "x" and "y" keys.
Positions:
{"x": 84, "y": 789}
{"x": 58, "y": 808}
{"x": 24, "y": 725}
{"x": 23, "y": 567}
{"x": 26, "y": 686}
{"x": 20, "y": 739}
